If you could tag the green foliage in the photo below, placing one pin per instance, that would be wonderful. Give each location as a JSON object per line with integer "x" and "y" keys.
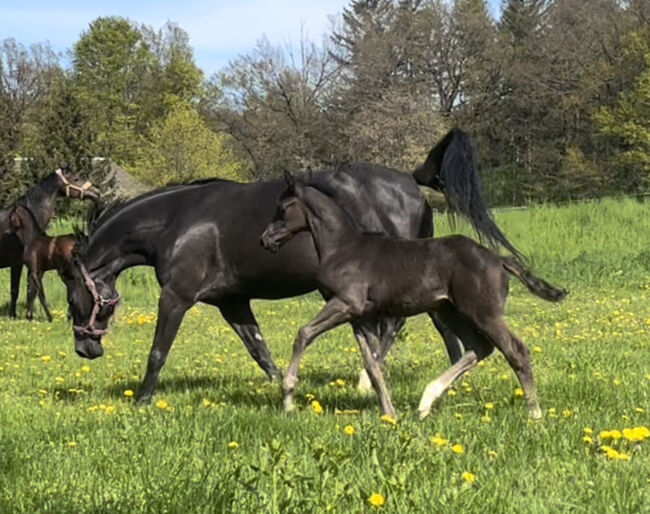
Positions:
{"x": 628, "y": 124}
{"x": 182, "y": 148}
{"x": 72, "y": 441}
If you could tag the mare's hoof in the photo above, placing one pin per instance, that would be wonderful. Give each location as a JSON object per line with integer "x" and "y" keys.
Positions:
{"x": 364, "y": 386}
{"x": 535, "y": 414}
{"x": 275, "y": 377}
{"x": 143, "y": 401}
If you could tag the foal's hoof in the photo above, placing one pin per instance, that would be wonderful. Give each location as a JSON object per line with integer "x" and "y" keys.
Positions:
{"x": 424, "y": 413}
{"x": 535, "y": 414}
{"x": 289, "y": 407}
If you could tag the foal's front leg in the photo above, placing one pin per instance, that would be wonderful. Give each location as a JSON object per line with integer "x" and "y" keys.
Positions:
{"x": 36, "y": 282}
{"x": 335, "y": 313}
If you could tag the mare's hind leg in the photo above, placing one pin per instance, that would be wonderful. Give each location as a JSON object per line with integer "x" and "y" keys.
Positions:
{"x": 16, "y": 271}
{"x": 240, "y": 317}
{"x": 171, "y": 310}
{"x": 335, "y": 313}
{"x": 517, "y": 355}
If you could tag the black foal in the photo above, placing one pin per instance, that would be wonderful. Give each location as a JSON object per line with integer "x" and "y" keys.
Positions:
{"x": 374, "y": 275}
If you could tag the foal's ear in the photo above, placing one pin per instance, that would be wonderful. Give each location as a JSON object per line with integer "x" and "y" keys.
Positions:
{"x": 291, "y": 182}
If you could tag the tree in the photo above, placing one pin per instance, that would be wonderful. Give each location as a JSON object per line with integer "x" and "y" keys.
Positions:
{"x": 183, "y": 148}
{"x": 111, "y": 61}
{"x": 274, "y": 103}
{"x": 627, "y": 125}
{"x": 25, "y": 76}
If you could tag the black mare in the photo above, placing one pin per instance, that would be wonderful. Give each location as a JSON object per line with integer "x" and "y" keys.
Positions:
{"x": 203, "y": 241}
{"x": 40, "y": 199}
{"x": 371, "y": 275}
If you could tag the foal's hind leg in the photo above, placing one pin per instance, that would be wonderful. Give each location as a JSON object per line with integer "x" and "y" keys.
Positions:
{"x": 335, "y": 313}
{"x": 517, "y": 355}
{"x": 240, "y": 317}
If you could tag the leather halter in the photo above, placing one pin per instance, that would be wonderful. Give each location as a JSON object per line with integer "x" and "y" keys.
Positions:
{"x": 73, "y": 187}
{"x": 99, "y": 302}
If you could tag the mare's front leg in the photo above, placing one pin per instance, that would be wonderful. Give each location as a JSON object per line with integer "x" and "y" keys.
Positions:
{"x": 16, "y": 271}
{"x": 335, "y": 313}
{"x": 36, "y": 283}
{"x": 380, "y": 335}
{"x": 373, "y": 368}
{"x": 240, "y": 317}
{"x": 171, "y": 310}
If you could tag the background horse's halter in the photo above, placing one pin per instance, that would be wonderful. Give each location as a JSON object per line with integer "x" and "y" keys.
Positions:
{"x": 69, "y": 186}
{"x": 99, "y": 302}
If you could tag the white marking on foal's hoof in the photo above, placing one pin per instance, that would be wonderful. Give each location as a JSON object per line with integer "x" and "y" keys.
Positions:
{"x": 289, "y": 406}
{"x": 424, "y": 413}
{"x": 432, "y": 392}
{"x": 365, "y": 385}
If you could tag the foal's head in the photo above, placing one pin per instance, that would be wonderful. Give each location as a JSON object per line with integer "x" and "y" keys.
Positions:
{"x": 290, "y": 217}
{"x": 92, "y": 303}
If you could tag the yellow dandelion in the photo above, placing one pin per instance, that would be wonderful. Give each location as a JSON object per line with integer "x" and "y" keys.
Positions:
{"x": 537, "y": 349}
{"x": 492, "y": 454}
{"x": 72, "y": 444}
{"x": 128, "y": 393}
{"x": 639, "y": 410}
{"x": 85, "y": 369}
{"x": 109, "y": 409}
{"x": 489, "y": 405}
{"x": 588, "y": 431}
{"x": 316, "y": 407}
{"x": 349, "y": 430}
{"x": 340, "y": 382}
{"x": 439, "y": 441}
{"x": 519, "y": 393}
{"x": 588, "y": 439}
{"x": 468, "y": 477}
{"x": 376, "y": 499}
{"x": 233, "y": 445}
{"x": 162, "y": 404}
{"x": 458, "y": 449}
{"x": 46, "y": 358}
{"x": 387, "y": 418}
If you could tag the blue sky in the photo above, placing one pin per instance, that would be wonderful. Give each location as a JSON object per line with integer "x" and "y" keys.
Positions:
{"x": 219, "y": 30}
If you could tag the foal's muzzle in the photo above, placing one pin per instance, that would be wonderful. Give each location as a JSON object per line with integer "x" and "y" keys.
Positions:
{"x": 274, "y": 237}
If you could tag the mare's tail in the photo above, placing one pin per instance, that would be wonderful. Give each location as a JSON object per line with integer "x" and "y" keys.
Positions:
{"x": 451, "y": 169}
{"x": 535, "y": 285}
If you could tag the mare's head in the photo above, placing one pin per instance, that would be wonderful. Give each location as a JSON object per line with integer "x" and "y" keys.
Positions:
{"x": 290, "y": 216}
{"x": 71, "y": 185}
{"x": 91, "y": 302}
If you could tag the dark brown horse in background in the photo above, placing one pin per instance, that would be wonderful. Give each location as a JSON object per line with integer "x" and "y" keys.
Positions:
{"x": 40, "y": 200}
{"x": 40, "y": 253}
{"x": 371, "y": 276}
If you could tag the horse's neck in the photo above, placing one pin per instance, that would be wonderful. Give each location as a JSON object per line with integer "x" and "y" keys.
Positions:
{"x": 330, "y": 227}
{"x": 114, "y": 249}
{"x": 40, "y": 199}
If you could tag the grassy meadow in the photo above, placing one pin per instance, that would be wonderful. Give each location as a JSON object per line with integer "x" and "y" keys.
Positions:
{"x": 215, "y": 439}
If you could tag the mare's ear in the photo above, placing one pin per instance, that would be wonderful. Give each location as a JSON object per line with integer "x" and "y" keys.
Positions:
{"x": 291, "y": 182}
{"x": 14, "y": 220}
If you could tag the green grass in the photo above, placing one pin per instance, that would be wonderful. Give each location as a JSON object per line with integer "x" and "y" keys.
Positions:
{"x": 71, "y": 441}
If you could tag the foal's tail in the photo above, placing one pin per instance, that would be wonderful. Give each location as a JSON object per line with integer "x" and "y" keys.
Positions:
{"x": 535, "y": 285}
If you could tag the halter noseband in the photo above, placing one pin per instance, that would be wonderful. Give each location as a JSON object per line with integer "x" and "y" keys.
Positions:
{"x": 99, "y": 302}
{"x": 73, "y": 187}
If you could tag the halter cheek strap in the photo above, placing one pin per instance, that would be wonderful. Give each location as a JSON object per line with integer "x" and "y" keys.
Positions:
{"x": 73, "y": 187}
{"x": 99, "y": 302}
